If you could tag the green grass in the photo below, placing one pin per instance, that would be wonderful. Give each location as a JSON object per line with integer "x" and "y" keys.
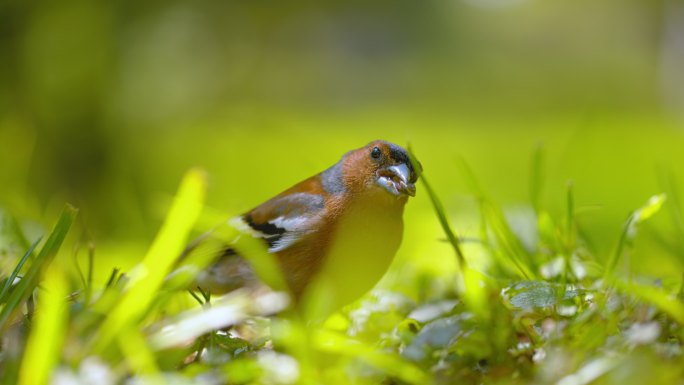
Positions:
{"x": 12, "y": 299}
{"x": 552, "y": 312}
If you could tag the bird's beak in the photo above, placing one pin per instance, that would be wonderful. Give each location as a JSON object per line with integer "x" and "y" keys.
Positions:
{"x": 396, "y": 180}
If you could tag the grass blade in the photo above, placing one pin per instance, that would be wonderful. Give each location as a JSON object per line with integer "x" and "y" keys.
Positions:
{"x": 630, "y": 228}
{"x": 159, "y": 260}
{"x": 46, "y": 255}
{"x": 668, "y": 304}
{"x": 47, "y": 332}
{"x": 17, "y": 269}
{"x": 495, "y": 218}
{"x": 441, "y": 214}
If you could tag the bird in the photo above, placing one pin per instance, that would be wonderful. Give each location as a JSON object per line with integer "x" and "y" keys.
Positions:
{"x": 334, "y": 235}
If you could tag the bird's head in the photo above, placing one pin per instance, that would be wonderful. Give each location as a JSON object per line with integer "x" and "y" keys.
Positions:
{"x": 382, "y": 166}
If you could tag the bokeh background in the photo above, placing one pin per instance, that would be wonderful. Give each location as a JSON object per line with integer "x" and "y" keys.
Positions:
{"x": 107, "y": 104}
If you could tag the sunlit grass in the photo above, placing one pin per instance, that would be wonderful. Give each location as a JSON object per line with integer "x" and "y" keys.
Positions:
{"x": 24, "y": 289}
{"x": 45, "y": 343}
{"x": 554, "y": 312}
{"x": 149, "y": 275}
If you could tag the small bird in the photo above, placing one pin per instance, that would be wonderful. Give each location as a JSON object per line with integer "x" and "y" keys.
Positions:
{"x": 334, "y": 234}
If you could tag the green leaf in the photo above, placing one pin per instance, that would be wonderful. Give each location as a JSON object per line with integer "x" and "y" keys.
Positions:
{"x": 537, "y": 295}
{"x": 438, "y": 334}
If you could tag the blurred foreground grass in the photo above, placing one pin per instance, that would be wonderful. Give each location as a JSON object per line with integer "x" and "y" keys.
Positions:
{"x": 550, "y": 131}
{"x": 533, "y": 302}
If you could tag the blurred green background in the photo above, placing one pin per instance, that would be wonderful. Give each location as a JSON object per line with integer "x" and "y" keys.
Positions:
{"x": 107, "y": 104}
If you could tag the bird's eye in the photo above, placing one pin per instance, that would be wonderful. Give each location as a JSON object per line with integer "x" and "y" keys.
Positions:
{"x": 375, "y": 153}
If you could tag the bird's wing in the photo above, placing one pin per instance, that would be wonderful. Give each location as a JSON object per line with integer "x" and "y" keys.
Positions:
{"x": 283, "y": 220}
